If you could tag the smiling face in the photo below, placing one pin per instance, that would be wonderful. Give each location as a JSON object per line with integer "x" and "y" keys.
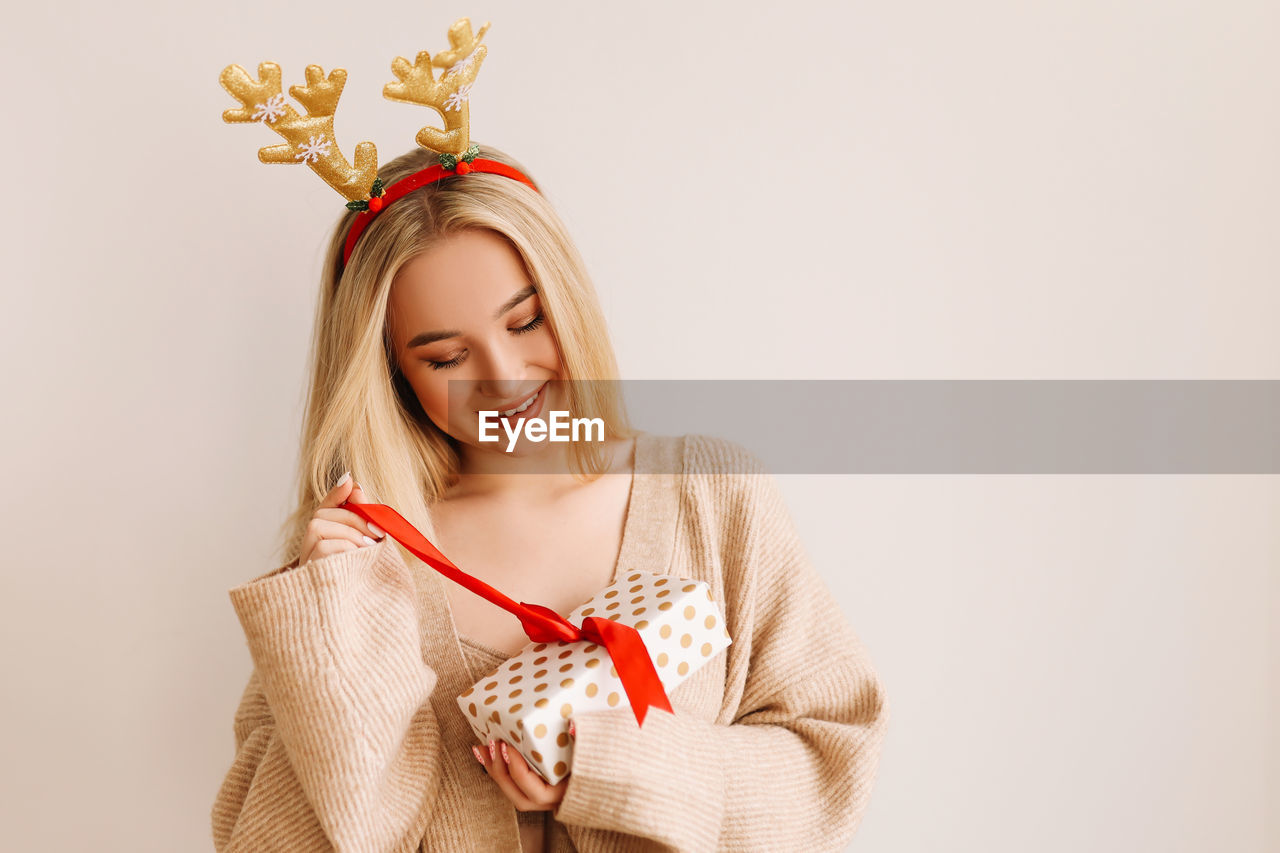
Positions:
{"x": 469, "y": 334}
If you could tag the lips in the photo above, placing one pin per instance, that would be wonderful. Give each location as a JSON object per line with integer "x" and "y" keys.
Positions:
{"x": 506, "y": 407}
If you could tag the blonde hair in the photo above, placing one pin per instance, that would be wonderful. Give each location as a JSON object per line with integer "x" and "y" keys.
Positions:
{"x": 361, "y": 414}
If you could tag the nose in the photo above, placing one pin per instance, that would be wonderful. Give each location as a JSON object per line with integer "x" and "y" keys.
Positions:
{"x": 507, "y": 367}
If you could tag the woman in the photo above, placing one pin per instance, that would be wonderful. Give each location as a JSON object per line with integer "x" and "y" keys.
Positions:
{"x": 463, "y": 297}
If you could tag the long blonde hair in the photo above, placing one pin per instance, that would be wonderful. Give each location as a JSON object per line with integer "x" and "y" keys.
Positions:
{"x": 361, "y": 414}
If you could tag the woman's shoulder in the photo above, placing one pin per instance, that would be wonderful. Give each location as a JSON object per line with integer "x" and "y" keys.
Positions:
{"x": 722, "y": 484}
{"x": 698, "y": 454}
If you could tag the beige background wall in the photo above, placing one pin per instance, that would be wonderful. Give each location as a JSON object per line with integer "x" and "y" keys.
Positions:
{"x": 801, "y": 190}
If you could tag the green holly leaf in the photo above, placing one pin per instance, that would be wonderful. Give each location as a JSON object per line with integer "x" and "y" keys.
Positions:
{"x": 377, "y": 188}
{"x": 448, "y": 161}
{"x": 357, "y": 205}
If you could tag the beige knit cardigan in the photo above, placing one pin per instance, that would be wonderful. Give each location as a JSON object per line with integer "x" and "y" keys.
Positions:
{"x": 348, "y": 736}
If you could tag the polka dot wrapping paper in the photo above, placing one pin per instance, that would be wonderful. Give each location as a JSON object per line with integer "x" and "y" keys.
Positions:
{"x": 528, "y": 700}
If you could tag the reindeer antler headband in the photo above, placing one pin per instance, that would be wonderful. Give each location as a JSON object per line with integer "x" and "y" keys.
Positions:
{"x": 309, "y": 138}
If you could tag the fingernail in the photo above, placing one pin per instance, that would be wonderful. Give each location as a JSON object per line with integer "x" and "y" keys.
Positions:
{"x": 505, "y": 757}
{"x": 571, "y": 732}
{"x": 345, "y": 477}
{"x": 493, "y": 751}
{"x": 368, "y": 541}
{"x": 479, "y": 757}
{"x": 377, "y": 531}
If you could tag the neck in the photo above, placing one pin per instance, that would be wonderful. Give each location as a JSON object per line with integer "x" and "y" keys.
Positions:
{"x": 540, "y": 475}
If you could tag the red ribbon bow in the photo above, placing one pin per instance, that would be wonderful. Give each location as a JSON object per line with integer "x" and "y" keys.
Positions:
{"x": 542, "y": 624}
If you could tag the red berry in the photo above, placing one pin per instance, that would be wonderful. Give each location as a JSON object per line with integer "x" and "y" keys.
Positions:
{"x": 375, "y": 204}
{"x": 463, "y": 167}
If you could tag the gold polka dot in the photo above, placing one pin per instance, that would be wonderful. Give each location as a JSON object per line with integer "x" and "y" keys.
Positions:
{"x": 517, "y": 664}
{"x": 637, "y": 599}
{"x": 690, "y": 612}
{"x": 706, "y": 650}
{"x": 683, "y": 667}
{"x": 566, "y": 710}
{"x": 564, "y": 654}
{"x": 664, "y": 631}
{"x": 634, "y": 576}
{"x": 568, "y": 682}
{"x": 611, "y": 593}
{"x": 593, "y": 663}
{"x": 514, "y": 737}
{"x": 562, "y": 739}
{"x": 613, "y": 617}
{"x": 666, "y": 605}
{"x": 566, "y": 667}
{"x": 514, "y": 693}
{"x": 538, "y": 688}
{"x": 469, "y": 690}
{"x": 540, "y": 661}
{"x": 612, "y": 606}
{"x": 686, "y": 640}
{"x": 660, "y": 582}
{"x": 643, "y": 623}
{"x": 494, "y": 716}
{"x": 662, "y": 659}
{"x": 591, "y": 648}
{"x": 541, "y": 703}
{"x": 472, "y": 707}
{"x": 592, "y": 690}
{"x": 689, "y": 587}
{"x": 491, "y": 685}
{"x": 613, "y": 699}
{"x": 613, "y": 670}
{"x": 664, "y": 593}
{"x": 515, "y": 679}
{"x": 537, "y": 756}
{"x": 709, "y": 598}
{"x": 491, "y": 700}
{"x": 520, "y": 725}
{"x": 539, "y": 647}
{"x": 710, "y": 622}
{"x": 540, "y": 673}
{"x": 514, "y": 708}
{"x": 636, "y": 588}
{"x": 588, "y": 611}
{"x": 540, "y": 730}
{"x": 561, "y": 767}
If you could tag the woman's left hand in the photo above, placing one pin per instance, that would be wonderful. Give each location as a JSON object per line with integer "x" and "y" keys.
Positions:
{"x": 520, "y": 782}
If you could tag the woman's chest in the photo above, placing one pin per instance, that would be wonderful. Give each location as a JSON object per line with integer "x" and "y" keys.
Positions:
{"x": 556, "y": 556}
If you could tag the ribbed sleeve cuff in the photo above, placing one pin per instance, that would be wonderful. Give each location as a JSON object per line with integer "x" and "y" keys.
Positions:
{"x": 662, "y": 781}
{"x": 337, "y": 647}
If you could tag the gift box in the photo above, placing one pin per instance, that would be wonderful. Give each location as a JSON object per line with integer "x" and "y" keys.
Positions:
{"x": 528, "y": 700}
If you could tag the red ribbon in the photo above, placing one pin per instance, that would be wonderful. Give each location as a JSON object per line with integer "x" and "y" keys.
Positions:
{"x": 542, "y": 624}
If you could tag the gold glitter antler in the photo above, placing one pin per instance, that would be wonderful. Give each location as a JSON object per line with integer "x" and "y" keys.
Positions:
{"x": 448, "y": 95}
{"x": 309, "y": 138}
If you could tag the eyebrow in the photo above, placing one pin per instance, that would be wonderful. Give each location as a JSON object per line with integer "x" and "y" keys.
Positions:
{"x": 424, "y": 338}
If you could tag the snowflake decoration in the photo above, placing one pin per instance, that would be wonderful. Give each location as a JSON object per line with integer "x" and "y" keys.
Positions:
{"x": 271, "y": 110}
{"x": 461, "y": 64}
{"x": 313, "y": 149}
{"x": 458, "y": 98}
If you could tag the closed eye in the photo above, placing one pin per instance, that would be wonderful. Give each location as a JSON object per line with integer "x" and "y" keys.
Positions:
{"x": 533, "y": 324}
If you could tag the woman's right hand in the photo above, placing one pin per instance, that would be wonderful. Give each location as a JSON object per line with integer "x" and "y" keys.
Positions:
{"x": 333, "y": 530}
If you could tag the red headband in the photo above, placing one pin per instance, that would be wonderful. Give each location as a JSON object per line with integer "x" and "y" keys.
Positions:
{"x": 404, "y": 186}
